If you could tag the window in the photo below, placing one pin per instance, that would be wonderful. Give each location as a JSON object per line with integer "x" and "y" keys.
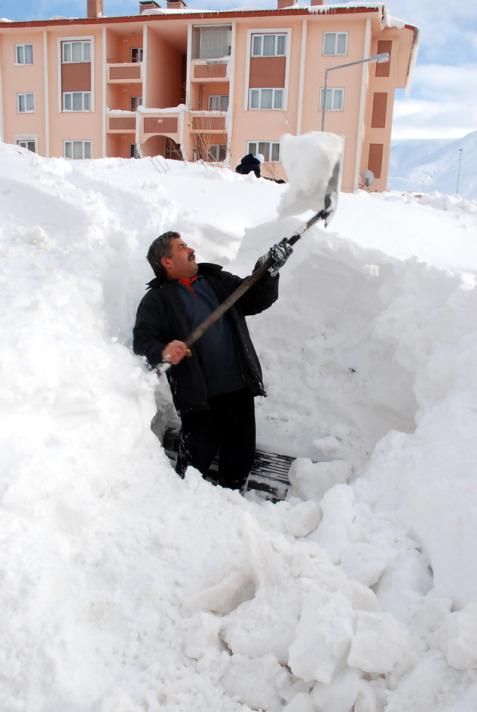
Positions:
{"x": 76, "y": 51}
{"x": 25, "y": 103}
{"x": 211, "y": 42}
{"x": 269, "y": 45}
{"x": 136, "y": 101}
{"x": 217, "y": 152}
{"x": 28, "y": 143}
{"x": 334, "y": 99}
{"x": 218, "y": 102}
{"x": 270, "y": 150}
{"x": 24, "y": 53}
{"x": 133, "y": 152}
{"x": 266, "y": 99}
{"x": 77, "y": 101}
{"x": 77, "y": 149}
{"x": 335, "y": 43}
{"x": 137, "y": 54}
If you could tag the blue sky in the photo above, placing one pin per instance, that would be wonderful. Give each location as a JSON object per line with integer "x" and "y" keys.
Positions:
{"x": 443, "y": 99}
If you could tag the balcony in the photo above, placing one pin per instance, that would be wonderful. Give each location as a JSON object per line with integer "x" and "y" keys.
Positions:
{"x": 209, "y": 70}
{"x": 209, "y": 122}
{"x": 124, "y": 73}
{"x": 122, "y": 122}
{"x": 161, "y": 122}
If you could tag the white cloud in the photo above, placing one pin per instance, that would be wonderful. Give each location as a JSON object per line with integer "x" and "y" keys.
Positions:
{"x": 415, "y": 118}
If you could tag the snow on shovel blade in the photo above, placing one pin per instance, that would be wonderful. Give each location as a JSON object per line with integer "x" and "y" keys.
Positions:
{"x": 312, "y": 163}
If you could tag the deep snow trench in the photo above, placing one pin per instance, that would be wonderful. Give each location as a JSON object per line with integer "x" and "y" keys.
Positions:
{"x": 125, "y": 589}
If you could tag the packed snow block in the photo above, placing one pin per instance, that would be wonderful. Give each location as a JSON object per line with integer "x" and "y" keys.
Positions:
{"x": 340, "y": 695}
{"x": 363, "y": 598}
{"x": 337, "y": 528}
{"x": 311, "y": 480}
{"x": 365, "y": 562}
{"x": 379, "y": 643}
{"x": 457, "y": 638}
{"x": 404, "y": 582}
{"x": 309, "y": 161}
{"x": 367, "y": 699}
{"x": 304, "y": 519}
{"x": 300, "y": 703}
{"x": 252, "y": 682}
{"x": 323, "y": 638}
{"x": 201, "y": 635}
{"x": 226, "y": 595}
{"x": 266, "y": 624}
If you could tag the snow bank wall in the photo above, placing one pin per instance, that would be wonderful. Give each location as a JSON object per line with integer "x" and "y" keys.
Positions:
{"x": 124, "y": 588}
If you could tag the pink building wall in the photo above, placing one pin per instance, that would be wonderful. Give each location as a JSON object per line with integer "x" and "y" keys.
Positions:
{"x": 365, "y": 122}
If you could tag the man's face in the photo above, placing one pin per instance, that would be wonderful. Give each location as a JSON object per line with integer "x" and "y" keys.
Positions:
{"x": 181, "y": 264}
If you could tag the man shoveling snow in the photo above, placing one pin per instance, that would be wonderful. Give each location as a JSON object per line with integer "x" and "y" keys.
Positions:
{"x": 193, "y": 318}
{"x": 214, "y": 382}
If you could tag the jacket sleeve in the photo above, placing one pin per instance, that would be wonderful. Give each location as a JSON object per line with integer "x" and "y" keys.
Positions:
{"x": 147, "y": 338}
{"x": 257, "y": 298}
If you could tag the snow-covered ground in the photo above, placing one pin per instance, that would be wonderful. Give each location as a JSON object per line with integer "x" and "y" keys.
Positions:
{"x": 125, "y": 589}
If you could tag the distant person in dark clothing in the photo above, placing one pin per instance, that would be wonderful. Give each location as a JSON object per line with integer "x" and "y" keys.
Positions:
{"x": 214, "y": 382}
{"x": 250, "y": 163}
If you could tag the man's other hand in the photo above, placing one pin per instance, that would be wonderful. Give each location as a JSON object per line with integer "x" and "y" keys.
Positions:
{"x": 175, "y": 351}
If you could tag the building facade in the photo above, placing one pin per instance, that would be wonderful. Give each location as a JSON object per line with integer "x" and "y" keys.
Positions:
{"x": 204, "y": 85}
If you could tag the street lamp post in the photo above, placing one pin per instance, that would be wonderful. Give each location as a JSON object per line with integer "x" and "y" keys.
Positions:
{"x": 378, "y": 58}
{"x": 458, "y": 170}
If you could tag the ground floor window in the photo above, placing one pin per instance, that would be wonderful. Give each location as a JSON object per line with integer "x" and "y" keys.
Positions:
{"x": 266, "y": 99}
{"x": 136, "y": 102}
{"x": 77, "y": 101}
{"x": 77, "y": 149}
{"x": 28, "y": 143}
{"x": 217, "y": 152}
{"x": 26, "y": 103}
{"x": 270, "y": 150}
{"x": 218, "y": 102}
{"x": 133, "y": 152}
{"x": 334, "y": 99}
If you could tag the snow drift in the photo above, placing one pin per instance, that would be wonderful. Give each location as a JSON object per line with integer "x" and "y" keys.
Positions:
{"x": 124, "y": 588}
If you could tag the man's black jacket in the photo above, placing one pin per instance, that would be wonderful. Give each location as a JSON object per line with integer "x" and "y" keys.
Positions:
{"x": 161, "y": 318}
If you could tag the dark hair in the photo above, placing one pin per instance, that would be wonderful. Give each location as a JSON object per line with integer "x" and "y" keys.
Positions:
{"x": 161, "y": 247}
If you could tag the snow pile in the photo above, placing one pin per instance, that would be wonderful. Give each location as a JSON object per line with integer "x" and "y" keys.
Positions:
{"x": 125, "y": 588}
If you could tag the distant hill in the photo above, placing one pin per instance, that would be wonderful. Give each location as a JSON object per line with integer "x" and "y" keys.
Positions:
{"x": 432, "y": 165}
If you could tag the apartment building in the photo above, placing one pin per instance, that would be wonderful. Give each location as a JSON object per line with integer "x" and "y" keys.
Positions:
{"x": 205, "y": 85}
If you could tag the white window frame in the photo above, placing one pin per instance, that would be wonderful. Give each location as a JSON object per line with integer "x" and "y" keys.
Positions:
{"x": 248, "y": 57}
{"x": 22, "y": 47}
{"x": 83, "y": 143}
{"x": 200, "y": 28}
{"x": 254, "y": 148}
{"x": 260, "y": 36}
{"x": 140, "y": 55}
{"x": 220, "y": 97}
{"x": 24, "y": 95}
{"x": 61, "y": 40}
{"x": 335, "y": 53}
{"x": 27, "y": 139}
{"x": 69, "y": 43}
{"x": 260, "y": 99}
{"x": 332, "y": 92}
{"x": 214, "y": 151}
{"x": 85, "y": 99}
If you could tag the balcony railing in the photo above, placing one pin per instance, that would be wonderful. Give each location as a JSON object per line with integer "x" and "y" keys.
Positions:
{"x": 122, "y": 122}
{"x": 208, "y": 122}
{"x": 209, "y": 70}
{"x": 124, "y": 72}
{"x": 160, "y": 122}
